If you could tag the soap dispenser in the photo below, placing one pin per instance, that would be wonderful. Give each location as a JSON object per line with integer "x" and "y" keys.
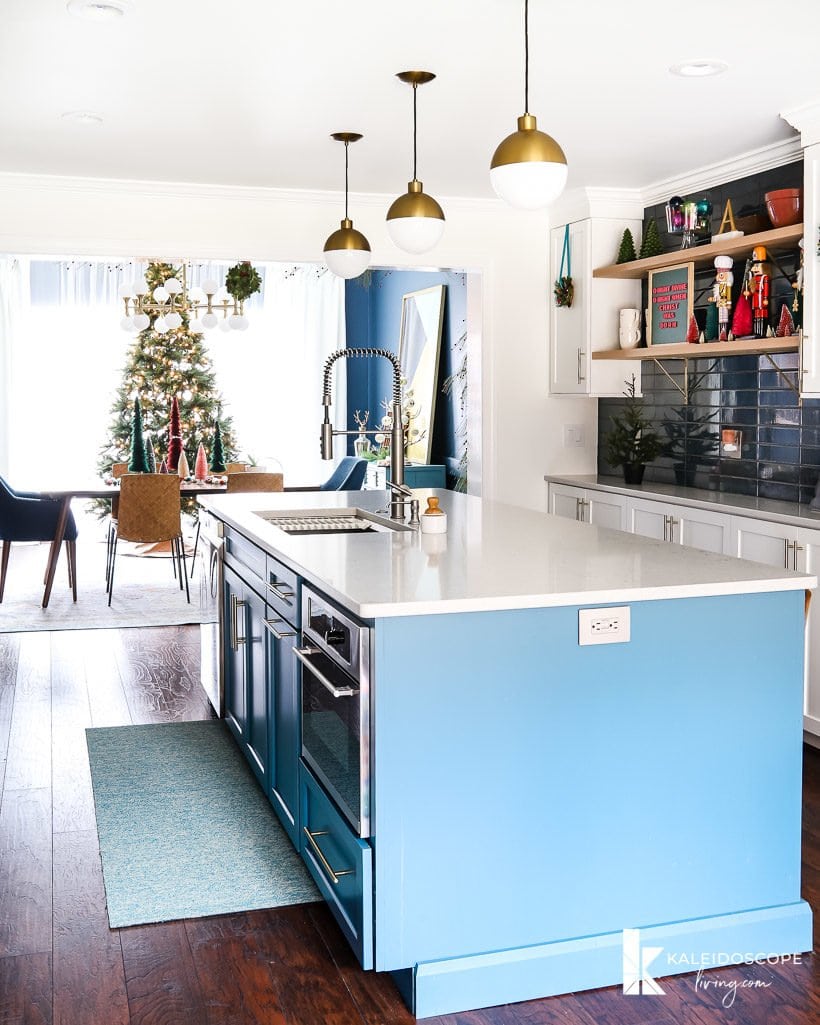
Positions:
{"x": 433, "y": 519}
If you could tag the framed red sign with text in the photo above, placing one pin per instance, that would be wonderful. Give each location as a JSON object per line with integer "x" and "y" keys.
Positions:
{"x": 670, "y": 304}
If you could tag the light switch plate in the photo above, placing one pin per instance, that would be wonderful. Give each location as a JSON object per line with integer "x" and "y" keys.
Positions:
{"x": 573, "y": 435}
{"x": 604, "y": 626}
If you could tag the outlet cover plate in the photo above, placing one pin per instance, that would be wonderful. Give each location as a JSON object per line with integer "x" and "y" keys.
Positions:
{"x": 604, "y": 626}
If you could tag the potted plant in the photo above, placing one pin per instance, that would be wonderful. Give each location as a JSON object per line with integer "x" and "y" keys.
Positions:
{"x": 691, "y": 439}
{"x": 632, "y": 442}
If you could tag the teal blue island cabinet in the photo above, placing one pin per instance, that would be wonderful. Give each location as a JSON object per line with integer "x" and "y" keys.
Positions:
{"x": 534, "y": 748}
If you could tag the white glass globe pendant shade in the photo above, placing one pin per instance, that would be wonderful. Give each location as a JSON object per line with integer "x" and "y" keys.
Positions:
{"x": 126, "y": 291}
{"x": 196, "y": 294}
{"x": 161, "y": 294}
{"x": 209, "y": 320}
{"x": 415, "y": 234}
{"x": 238, "y": 322}
{"x": 173, "y": 286}
{"x": 224, "y": 325}
{"x": 140, "y": 287}
{"x": 529, "y": 186}
{"x": 173, "y": 320}
{"x": 347, "y": 263}
{"x": 127, "y": 324}
{"x": 196, "y": 327}
{"x": 160, "y": 325}
{"x": 210, "y": 287}
{"x": 141, "y": 321}
{"x": 222, "y": 295}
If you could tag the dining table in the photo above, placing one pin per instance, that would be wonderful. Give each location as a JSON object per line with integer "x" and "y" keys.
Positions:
{"x": 65, "y": 493}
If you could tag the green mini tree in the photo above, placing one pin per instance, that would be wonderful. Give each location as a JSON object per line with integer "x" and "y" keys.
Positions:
{"x": 651, "y": 241}
{"x": 633, "y": 441}
{"x": 160, "y": 367}
{"x": 217, "y": 452}
{"x": 626, "y": 250}
{"x": 138, "y": 461}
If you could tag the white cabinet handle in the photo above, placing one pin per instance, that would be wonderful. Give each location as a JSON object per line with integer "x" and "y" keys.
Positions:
{"x": 581, "y": 375}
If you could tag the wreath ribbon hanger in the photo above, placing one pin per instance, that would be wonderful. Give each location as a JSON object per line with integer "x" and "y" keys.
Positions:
{"x": 563, "y": 286}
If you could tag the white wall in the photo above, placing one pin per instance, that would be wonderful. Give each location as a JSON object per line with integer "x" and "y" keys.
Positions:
{"x": 522, "y": 428}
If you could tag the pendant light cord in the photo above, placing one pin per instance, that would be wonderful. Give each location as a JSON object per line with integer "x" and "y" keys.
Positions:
{"x": 347, "y": 146}
{"x": 415, "y": 90}
{"x": 526, "y": 56}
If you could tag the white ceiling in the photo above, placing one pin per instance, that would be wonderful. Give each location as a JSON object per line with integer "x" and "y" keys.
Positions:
{"x": 248, "y": 92}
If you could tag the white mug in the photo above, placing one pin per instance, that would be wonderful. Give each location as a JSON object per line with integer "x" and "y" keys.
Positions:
{"x": 629, "y": 332}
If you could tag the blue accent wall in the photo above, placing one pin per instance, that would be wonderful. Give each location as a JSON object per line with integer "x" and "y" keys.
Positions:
{"x": 373, "y": 316}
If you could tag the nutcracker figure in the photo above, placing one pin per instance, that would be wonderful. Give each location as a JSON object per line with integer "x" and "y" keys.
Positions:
{"x": 758, "y": 285}
{"x": 722, "y": 294}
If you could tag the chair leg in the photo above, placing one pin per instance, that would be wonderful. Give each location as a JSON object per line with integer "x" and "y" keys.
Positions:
{"x": 196, "y": 545}
{"x": 72, "y": 567}
{"x": 111, "y": 571}
{"x": 183, "y": 569}
{"x": 108, "y": 551}
{"x": 4, "y": 565}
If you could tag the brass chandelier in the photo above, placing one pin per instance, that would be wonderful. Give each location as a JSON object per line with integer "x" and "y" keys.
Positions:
{"x": 207, "y": 306}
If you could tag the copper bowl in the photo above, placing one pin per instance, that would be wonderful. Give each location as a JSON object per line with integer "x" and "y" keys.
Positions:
{"x": 785, "y": 207}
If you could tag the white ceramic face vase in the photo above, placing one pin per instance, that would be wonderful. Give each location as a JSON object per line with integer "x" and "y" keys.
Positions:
{"x": 629, "y": 333}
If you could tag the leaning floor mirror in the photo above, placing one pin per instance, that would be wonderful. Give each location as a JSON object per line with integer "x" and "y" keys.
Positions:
{"x": 422, "y": 320}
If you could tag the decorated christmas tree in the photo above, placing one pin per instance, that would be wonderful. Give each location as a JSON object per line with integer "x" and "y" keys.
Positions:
{"x": 159, "y": 368}
{"x": 651, "y": 241}
{"x": 626, "y": 250}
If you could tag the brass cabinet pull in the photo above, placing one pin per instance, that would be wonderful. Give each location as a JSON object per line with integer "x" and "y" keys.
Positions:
{"x": 280, "y": 635}
{"x": 334, "y": 875}
{"x": 236, "y": 640}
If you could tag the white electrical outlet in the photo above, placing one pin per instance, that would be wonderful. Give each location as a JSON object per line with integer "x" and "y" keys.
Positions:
{"x": 603, "y": 626}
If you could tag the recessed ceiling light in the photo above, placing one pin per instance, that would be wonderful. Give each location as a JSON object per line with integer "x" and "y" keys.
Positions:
{"x": 699, "y": 68}
{"x": 82, "y": 117}
{"x": 98, "y": 10}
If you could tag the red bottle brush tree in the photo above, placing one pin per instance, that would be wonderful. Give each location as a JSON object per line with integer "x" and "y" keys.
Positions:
{"x": 785, "y": 327}
{"x": 174, "y": 438}
{"x": 742, "y": 317}
{"x": 201, "y": 467}
{"x": 692, "y": 332}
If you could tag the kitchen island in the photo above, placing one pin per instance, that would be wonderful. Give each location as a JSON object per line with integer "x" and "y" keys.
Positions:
{"x": 526, "y": 797}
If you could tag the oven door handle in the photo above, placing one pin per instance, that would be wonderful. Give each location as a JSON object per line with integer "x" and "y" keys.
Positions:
{"x": 337, "y": 692}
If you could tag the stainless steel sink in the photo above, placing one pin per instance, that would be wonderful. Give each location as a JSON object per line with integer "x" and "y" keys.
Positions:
{"x": 331, "y": 521}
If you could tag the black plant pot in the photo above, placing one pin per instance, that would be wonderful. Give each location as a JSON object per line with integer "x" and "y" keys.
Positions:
{"x": 685, "y": 475}
{"x": 633, "y": 473}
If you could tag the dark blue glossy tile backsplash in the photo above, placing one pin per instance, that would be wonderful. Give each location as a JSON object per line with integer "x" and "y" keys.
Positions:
{"x": 780, "y": 451}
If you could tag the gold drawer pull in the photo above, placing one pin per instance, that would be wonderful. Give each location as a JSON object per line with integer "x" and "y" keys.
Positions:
{"x": 335, "y": 876}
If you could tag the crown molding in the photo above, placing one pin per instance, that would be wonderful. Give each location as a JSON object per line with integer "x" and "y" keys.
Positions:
{"x": 777, "y": 154}
{"x": 806, "y": 119}
{"x": 599, "y": 202}
{"x": 120, "y": 187}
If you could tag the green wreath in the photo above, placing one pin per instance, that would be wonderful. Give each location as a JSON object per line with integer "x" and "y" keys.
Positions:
{"x": 242, "y": 281}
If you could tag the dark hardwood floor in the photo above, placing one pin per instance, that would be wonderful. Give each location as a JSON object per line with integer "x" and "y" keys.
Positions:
{"x": 60, "y": 963}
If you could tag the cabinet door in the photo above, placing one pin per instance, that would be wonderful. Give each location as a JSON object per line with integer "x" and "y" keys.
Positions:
{"x": 256, "y": 688}
{"x": 565, "y": 501}
{"x": 699, "y": 528}
{"x": 808, "y": 561}
{"x": 569, "y": 327}
{"x": 762, "y": 541}
{"x": 605, "y": 510}
{"x": 810, "y": 359}
{"x": 649, "y": 519}
{"x": 285, "y": 726}
{"x": 234, "y": 655}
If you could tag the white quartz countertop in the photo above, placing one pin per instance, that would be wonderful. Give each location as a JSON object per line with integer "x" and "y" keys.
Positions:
{"x": 493, "y": 556}
{"x": 759, "y": 508}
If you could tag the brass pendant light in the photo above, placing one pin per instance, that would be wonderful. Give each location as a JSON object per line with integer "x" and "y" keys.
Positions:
{"x": 347, "y": 251}
{"x": 529, "y": 168}
{"x": 415, "y": 221}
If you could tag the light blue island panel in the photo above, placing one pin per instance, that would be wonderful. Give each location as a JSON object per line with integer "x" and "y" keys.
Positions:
{"x": 533, "y": 798}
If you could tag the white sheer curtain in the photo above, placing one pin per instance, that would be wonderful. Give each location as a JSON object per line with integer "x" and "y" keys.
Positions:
{"x": 13, "y": 300}
{"x": 62, "y": 355}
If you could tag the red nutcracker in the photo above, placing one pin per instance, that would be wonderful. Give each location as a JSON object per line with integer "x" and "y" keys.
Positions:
{"x": 758, "y": 286}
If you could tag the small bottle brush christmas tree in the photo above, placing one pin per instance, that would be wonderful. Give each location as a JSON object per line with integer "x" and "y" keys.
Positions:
{"x": 159, "y": 366}
{"x": 217, "y": 452}
{"x": 785, "y": 327}
{"x": 138, "y": 463}
{"x": 201, "y": 466}
{"x": 742, "y": 317}
{"x": 174, "y": 437}
{"x": 626, "y": 250}
{"x": 651, "y": 241}
{"x": 692, "y": 331}
{"x": 151, "y": 455}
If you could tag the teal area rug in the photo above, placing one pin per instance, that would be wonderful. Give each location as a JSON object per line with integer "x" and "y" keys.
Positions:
{"x": 185, "y": 831}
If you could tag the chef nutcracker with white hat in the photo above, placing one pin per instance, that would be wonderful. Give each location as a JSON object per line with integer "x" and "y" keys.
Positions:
{"x": 722, "y": 294}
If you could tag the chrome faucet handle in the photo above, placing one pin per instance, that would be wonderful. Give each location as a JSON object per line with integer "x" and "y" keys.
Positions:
{"x": 414, "y": 513}
{"x": 400, "y": 489}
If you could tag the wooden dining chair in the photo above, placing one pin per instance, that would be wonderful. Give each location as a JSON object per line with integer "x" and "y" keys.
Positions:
{"x": 149, "y": 512}
{"x": 117, "y": 470}
{"x": 252, "y": 481}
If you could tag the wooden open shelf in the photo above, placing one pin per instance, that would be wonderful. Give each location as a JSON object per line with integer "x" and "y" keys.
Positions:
{"x": 709, "y": 350}
{"x": 699, "y": 255}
